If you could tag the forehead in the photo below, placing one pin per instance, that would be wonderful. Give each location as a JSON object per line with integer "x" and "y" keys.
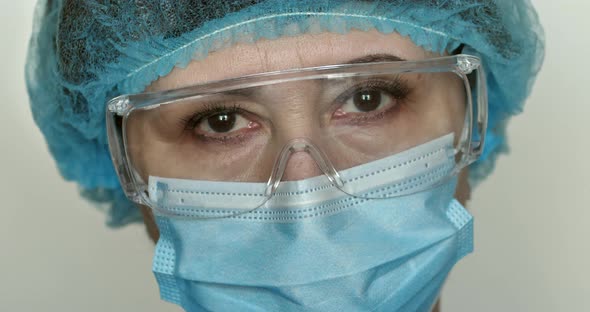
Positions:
{"x": 290, "y": 52}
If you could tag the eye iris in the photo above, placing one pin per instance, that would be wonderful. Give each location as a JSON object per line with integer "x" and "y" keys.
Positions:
{"x": 222, "y": 122}
{"x": 366, "y": 101}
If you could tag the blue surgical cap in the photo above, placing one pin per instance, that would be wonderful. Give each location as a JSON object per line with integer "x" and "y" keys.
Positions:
{"x": 84, "y": 52}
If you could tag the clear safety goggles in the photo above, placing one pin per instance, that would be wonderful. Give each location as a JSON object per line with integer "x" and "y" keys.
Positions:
{"x": 297, "y": 124}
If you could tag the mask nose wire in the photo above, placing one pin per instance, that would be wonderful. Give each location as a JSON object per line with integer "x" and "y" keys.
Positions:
{"x": 301, "y": 145}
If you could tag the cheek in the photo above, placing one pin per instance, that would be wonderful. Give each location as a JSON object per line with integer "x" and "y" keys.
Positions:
{"x": 150, "y": 223}
{"x": 138, "y": 145}
{"x": 451, "y": 90}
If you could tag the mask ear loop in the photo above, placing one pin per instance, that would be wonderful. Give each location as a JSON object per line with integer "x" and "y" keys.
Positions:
{"x": 301, "y": 145}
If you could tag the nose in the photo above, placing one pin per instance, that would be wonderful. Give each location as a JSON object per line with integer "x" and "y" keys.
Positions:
{"x": 301, "y": 159}
{"x": 301, "y": 165}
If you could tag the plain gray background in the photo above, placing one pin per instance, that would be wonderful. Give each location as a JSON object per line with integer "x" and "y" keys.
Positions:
{"x": 532, "y": 214}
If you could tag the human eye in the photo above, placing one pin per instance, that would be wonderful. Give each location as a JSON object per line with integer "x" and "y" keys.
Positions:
{"x": 371, "y": 99}
{"x": 220, "y": 122}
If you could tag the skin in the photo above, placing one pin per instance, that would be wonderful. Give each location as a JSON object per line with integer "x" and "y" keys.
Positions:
{"x": 287, "y": 53}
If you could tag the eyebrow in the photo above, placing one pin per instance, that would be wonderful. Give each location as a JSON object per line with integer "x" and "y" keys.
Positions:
{"x": 374, "y": 58}
{"x": 370, "y": 58}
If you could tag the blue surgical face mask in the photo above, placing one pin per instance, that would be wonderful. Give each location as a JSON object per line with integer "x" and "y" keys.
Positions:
{"x": 312, "y": 247}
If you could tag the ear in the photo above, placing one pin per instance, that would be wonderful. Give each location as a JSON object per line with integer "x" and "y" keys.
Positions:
{"x": 150, "y": 223}
{"x": 463, "y": 192}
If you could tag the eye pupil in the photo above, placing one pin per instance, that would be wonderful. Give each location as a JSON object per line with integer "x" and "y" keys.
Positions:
{"x": 223, "y": 122}
{"x": 366, "y": 101}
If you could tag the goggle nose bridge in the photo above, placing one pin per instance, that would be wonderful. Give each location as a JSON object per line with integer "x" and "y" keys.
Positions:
{"x": 307, "y": 146}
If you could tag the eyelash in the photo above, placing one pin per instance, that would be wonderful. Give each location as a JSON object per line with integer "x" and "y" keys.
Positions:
{"x": 394, "y": 87}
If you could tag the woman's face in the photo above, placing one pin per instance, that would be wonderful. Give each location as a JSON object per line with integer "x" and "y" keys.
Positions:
{"x": 291, "y": 120}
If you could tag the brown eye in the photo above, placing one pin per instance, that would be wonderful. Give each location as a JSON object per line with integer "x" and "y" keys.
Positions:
{"x": 367, "y": 100}
{"x": 222, "y": 123}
